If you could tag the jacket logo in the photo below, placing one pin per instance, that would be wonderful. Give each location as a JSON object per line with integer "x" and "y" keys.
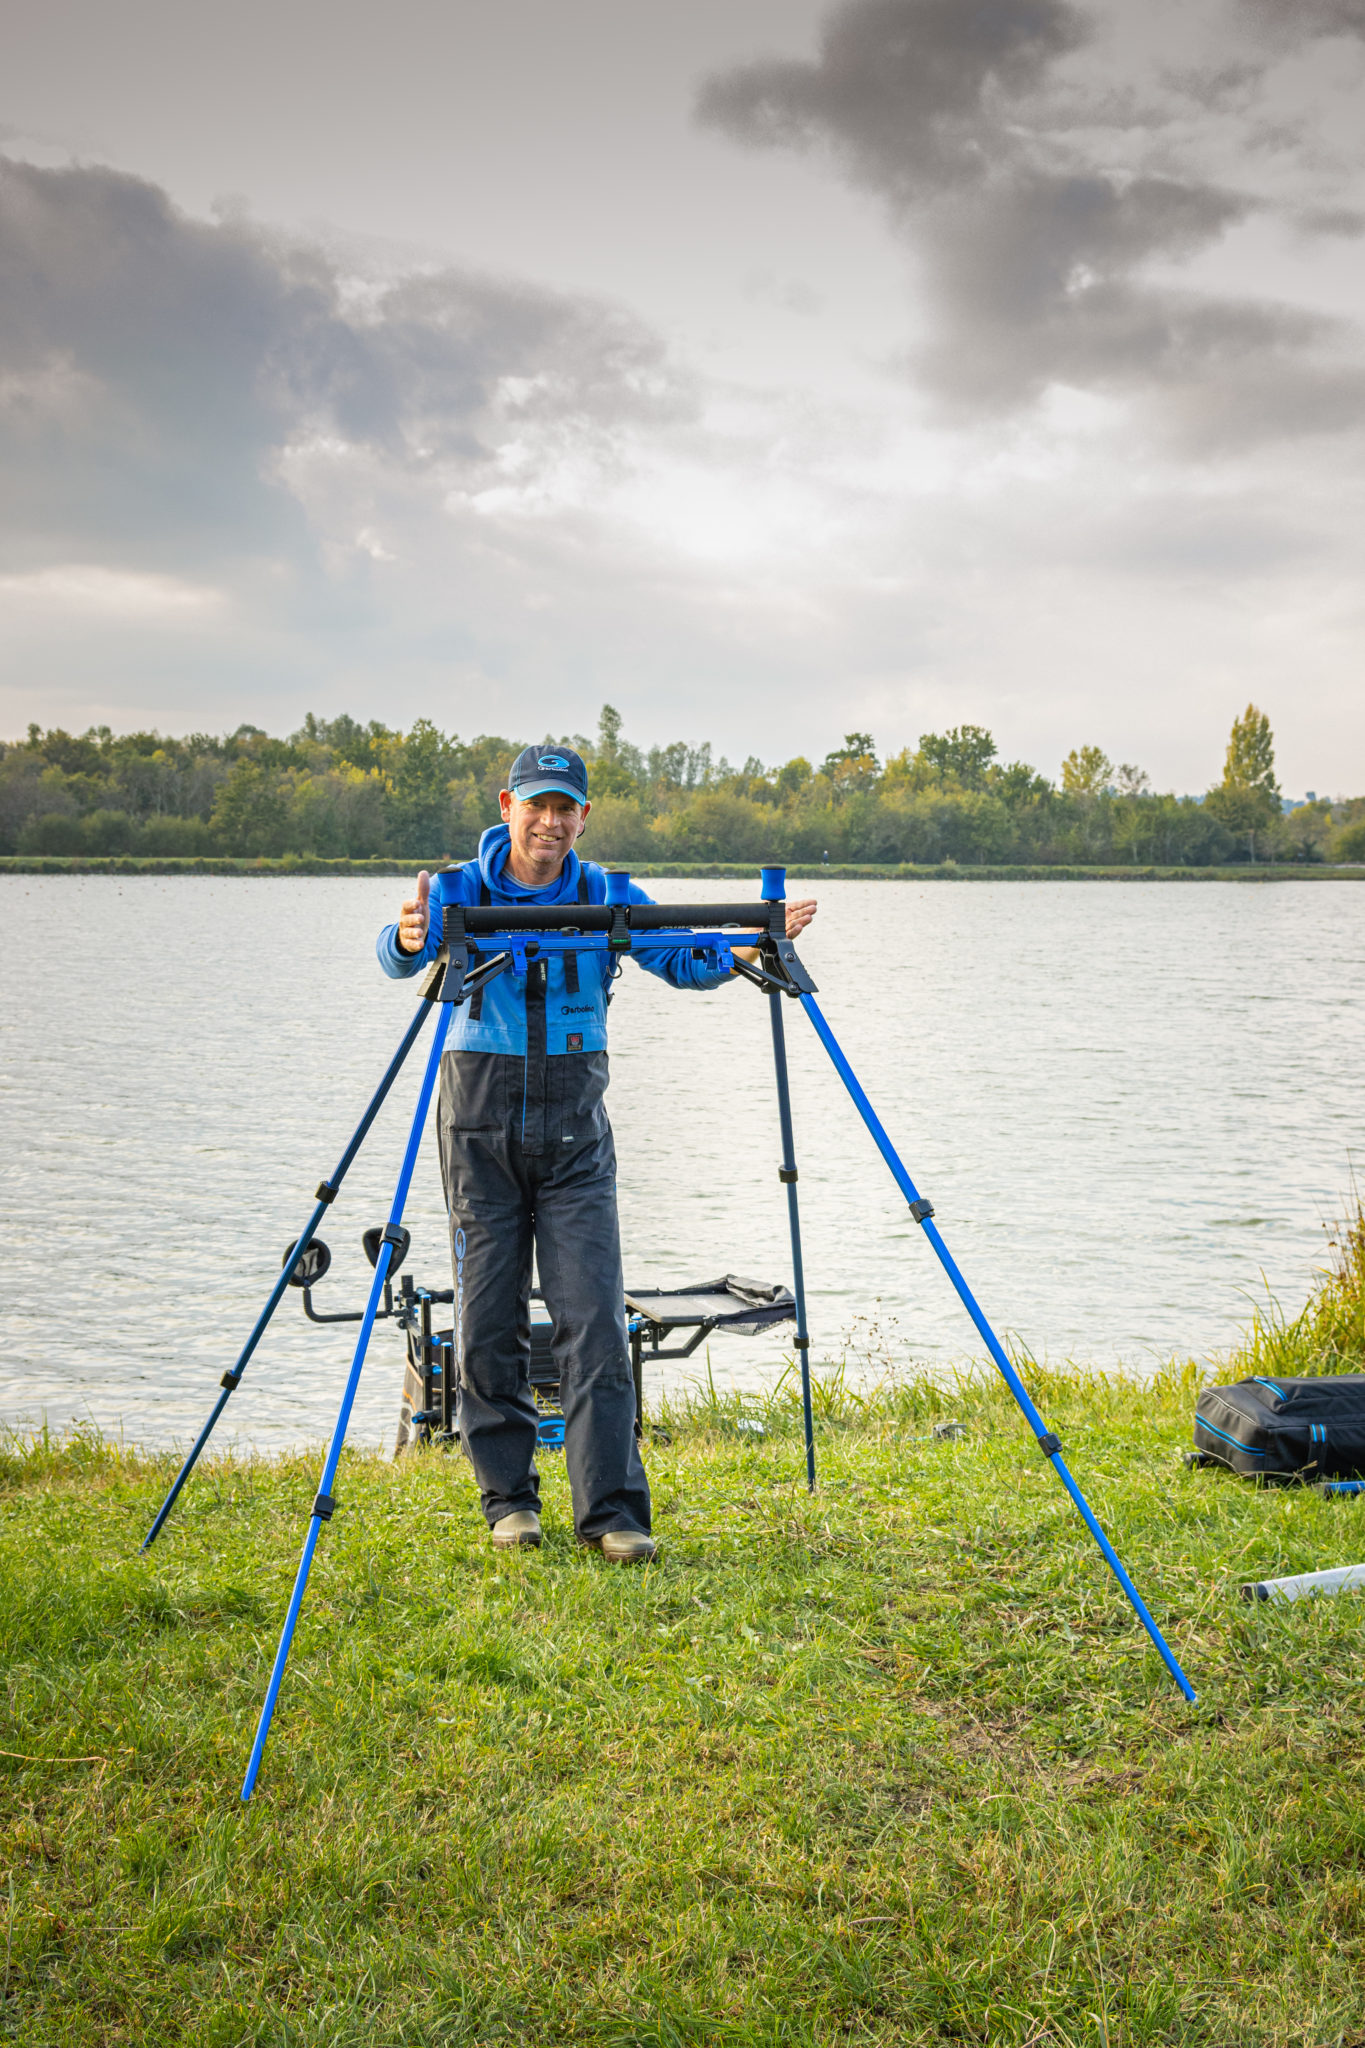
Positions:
{"x": 574, "y": 1042}
{"x": 575, "y": 1009}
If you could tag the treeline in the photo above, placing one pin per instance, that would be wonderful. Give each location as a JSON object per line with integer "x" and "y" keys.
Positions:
{"x": 339, "y": 789}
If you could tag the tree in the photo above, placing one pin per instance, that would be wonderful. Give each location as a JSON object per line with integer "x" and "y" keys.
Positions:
{"x": 251, "y": 810}
{"x": 964, "y": 751}
{"x": 857, "y": 746}
{"x": 1087, "y": 772}
{"x": 1248, "y": 797}
{"x": 421, "y": 764}
{"x": 792, "y": 778}
{"x": 616, "y": 766}
{"x": 1307, "y": 831}
{"x": 852, "y": 768}
{"x": 1250, "y": 761}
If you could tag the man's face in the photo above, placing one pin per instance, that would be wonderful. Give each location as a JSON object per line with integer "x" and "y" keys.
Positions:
{"x": 543, "y": 828}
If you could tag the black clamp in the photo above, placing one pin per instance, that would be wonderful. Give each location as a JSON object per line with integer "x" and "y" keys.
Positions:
{"x": 787, "y": 1173}
{"x": 394, "y": 1234}
{"x": 1049, "y": 1445}
{"x": 922, "y": 1208}
{"x": 325, "y": 1506}
{"x": 447, "y": 981}
{"x": 326, "y": 1192}
{"x": 782, "y": 963}
{"x": 231, "y": 1380}
{"x": 618, "y": 931}
{"x": 800, "y": 1343}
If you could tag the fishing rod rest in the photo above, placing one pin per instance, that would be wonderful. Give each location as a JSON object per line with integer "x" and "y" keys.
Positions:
{"x": 520, "y": 933}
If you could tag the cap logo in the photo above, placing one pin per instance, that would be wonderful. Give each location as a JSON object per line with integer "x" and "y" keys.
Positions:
{"x": 552, "y": 761}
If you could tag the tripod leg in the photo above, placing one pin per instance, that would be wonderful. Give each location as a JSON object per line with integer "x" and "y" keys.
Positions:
{"x": 922, "y": 1212}
{"x": 327, "y": 1194}
{"x": 324, "y": 1505}
{"x": 788, "y": 1174}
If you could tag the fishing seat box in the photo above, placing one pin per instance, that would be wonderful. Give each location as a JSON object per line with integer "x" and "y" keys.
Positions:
{"x": 1285, "y": 1429}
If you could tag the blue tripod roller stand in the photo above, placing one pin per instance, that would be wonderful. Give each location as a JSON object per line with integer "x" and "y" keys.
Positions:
{"x": 484, "y": 941}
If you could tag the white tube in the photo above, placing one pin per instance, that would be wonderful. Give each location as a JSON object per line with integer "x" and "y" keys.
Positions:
{"x": 1306, "y": 1584}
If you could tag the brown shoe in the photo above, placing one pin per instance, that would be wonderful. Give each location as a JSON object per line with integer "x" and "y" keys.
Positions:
{"x": 517, "y": 1531}
{"x": 627, "y": 1546}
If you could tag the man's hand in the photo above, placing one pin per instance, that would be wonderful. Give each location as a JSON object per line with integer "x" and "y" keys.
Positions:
{"x": 414, "y": 917}
{"x": 799, "y": 916}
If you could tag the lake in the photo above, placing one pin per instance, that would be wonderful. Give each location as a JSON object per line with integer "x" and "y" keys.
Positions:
{"x": 1133, "y": 1105}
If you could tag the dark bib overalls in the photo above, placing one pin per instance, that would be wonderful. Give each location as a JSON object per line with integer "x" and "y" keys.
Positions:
{"x": 528, "y": 1160}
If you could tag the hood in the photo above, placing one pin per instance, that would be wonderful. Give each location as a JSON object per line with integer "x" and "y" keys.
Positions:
{"x": 493, "y": 851}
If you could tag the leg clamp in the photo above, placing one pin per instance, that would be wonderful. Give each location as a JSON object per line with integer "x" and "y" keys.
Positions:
{"x": 394, "y": 1234}
{"x": 326, "y": 1192}
{"x": 800, "y": 1343}
{"x": 1049, "y": 1445}
{"x": 231, "y": 1380}
{"x": 325, "y": 1506}
{"x": 787, "y": 1173}
{"x": 922, "y": 1208}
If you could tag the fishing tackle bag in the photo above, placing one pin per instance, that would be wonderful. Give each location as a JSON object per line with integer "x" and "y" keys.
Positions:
{"x": 1285, "y": 1429}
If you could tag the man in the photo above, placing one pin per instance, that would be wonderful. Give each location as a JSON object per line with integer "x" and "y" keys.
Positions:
{"x": 527, "y": 1157}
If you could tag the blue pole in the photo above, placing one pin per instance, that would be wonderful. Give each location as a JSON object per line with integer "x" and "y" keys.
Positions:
{"x": 922, "y": 1212}
{"x": 324, "y": 1506}
{"x": 327, "y": 1193}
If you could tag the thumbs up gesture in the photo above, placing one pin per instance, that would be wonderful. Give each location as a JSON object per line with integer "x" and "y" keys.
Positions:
{"x": 415, "y": 916}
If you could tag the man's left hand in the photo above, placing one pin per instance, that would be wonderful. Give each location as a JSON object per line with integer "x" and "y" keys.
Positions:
{"x": 799, "y": 916}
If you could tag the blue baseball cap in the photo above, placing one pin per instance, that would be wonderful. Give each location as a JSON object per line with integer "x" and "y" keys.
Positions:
{"x": 538, "y": 770}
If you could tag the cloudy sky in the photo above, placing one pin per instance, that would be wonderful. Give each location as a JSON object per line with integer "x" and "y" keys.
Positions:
{"x": 767, "y": 368}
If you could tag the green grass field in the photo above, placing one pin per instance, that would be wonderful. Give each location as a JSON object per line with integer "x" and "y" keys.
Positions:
{"x": 893, "y": 1764}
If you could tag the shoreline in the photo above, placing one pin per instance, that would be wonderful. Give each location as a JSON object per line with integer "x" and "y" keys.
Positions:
{"x": 311, "y": 866}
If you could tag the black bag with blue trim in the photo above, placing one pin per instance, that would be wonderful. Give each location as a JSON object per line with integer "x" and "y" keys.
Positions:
{"x": 1285, "y": 1429}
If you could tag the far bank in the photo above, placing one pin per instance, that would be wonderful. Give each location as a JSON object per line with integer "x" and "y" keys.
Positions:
{"x": 904, "y": 871}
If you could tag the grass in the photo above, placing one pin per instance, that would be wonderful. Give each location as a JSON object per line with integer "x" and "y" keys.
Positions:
{"x": 891, "y": 1764}
{"x": 1328, "y": 1334}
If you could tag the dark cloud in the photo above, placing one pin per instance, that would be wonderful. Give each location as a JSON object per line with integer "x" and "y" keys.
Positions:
{"x": 909, "y": 92}
{"x": 1347, "y": 222}
{"x": 155, "y": 370}
{"x": 1035, "y": 256}
{"x": 1292, "y": 20}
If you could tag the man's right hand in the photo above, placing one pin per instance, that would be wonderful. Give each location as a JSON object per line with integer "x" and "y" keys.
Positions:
{"x": 414, "y": 917}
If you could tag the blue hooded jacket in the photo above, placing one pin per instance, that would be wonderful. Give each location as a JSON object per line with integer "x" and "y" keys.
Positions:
{"x": 573, "y": 1023}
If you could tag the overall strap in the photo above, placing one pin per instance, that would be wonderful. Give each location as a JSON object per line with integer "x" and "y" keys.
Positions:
{"x": 476, "y": 1000}
{"x": 571, "y": 959}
